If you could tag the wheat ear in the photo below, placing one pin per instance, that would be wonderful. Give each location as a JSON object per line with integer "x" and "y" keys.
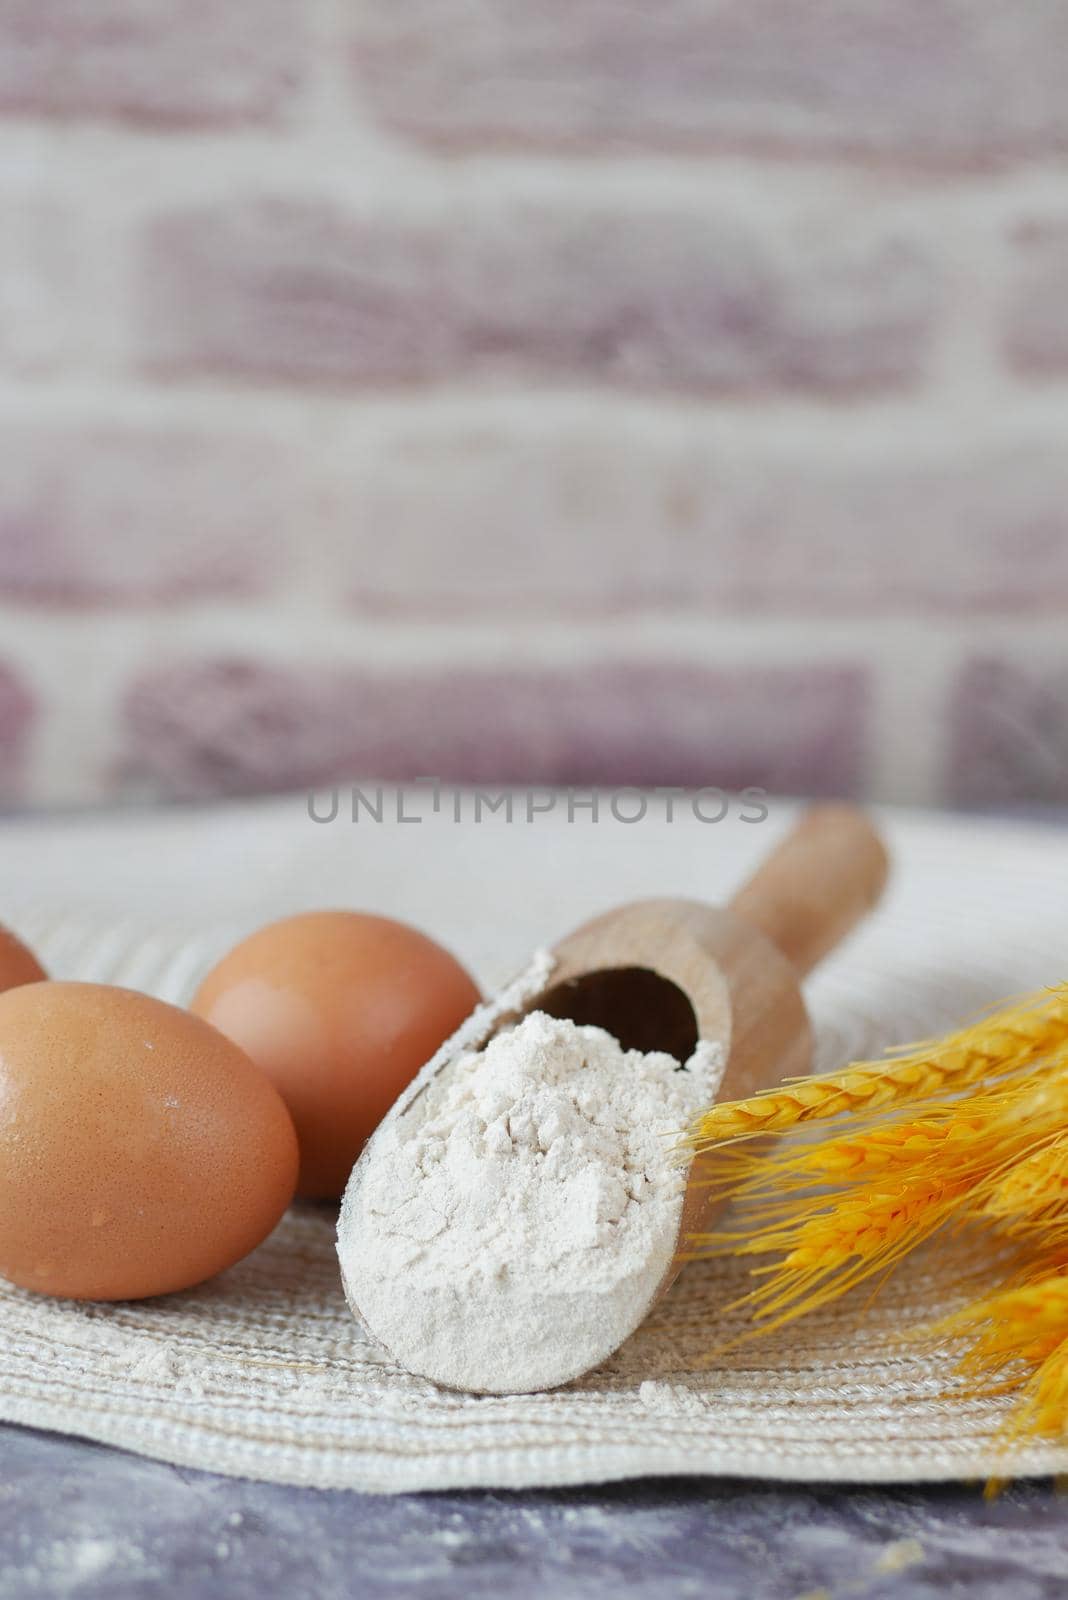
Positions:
{"x": 829, "y": 1249}
{"x": 1019, "y": 1324}
{"x": 1006, "y": 1041}
{"x": 1043, "y": 1406}
{"x": 1033, "y": 1190}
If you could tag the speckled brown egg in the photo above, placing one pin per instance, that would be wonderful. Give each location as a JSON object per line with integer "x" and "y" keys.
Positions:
{"x": 140, "y": 1150}
{"x": 340, "y": 1009}
{"x": 17, "y": 964}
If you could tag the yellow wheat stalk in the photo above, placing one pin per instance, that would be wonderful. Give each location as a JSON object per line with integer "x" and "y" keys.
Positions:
{"x": 977, "y": 1135}
{"x": 1022, "y": 1324}
{"x": 1033, "y": 1191}
{"x": 827, "y": 1249}
{"x": 1008, "y": 1040}
{"x": 892, "y": 1185}
{"x": 1043, "y": 1407}
{"x": 1022, "y": 1332}
{"x": 970, "y": 1128}
{"x": 864, "y": 1156}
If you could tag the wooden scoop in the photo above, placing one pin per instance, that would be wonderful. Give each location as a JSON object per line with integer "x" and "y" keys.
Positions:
{"x": 662, "y": 975}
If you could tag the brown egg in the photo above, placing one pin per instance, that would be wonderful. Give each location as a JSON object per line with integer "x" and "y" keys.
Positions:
{"x": 17, "y": 964}
{"x": 140, "y": 1151}
{"x": 340, "y": 1009}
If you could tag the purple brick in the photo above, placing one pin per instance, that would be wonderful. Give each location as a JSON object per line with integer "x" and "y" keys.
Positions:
{"x": 645, "y": 296}
{"x": 16, "y": 721}
{"x": 565, "y": 517}
{"x": 295, "y": 289}
{"x": 917, "y": 80}
{"x": 1009, "y": 735}
{"x": 39, "y": 282}
{"x": 229, "y": 726}
{"x": 188, "y": 62}
{"x": 981, "y": 528}
{"x": 199, "y": 728}
{"x": 122, "y": 515}
{"x": 1036, "y": 335}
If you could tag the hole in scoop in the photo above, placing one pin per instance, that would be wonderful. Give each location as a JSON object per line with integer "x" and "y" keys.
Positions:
{"x": 644, "y": 1010}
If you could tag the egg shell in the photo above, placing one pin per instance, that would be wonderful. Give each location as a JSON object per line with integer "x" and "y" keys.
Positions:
{"x": 140, "y": 1150}
{"x": 340, "y": 1009}
{"x": 17, "y": 964}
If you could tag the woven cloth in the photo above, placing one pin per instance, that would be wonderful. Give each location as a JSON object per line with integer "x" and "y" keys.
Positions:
{"x": 263, "y": 1372}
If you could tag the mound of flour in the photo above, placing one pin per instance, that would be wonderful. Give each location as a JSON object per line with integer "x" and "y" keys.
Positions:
{"x": 512, "y": 1227}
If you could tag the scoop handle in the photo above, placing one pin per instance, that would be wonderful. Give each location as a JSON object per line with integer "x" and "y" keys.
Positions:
{"x": 824, "y": 877}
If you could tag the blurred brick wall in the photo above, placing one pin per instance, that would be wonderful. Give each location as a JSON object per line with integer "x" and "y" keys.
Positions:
{"x": 534, "y": 389}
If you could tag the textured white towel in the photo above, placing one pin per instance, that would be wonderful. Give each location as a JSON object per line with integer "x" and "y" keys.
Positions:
{"x": 263, "y": 1373}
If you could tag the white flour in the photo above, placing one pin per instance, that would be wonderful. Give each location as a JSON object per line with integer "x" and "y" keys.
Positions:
{"x": 511, "y": 1227}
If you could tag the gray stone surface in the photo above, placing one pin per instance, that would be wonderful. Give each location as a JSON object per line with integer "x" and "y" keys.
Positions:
{"x": 77, "y": 1519}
